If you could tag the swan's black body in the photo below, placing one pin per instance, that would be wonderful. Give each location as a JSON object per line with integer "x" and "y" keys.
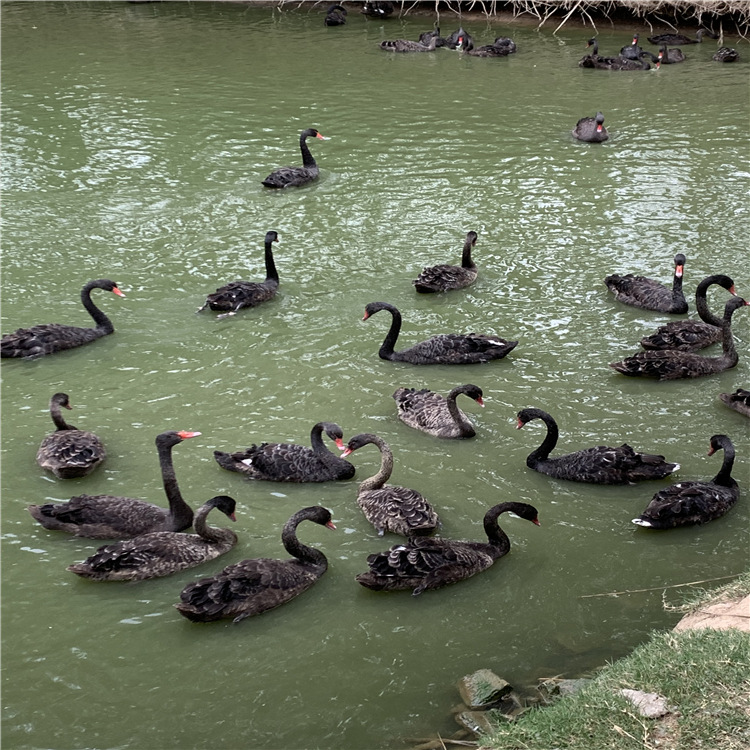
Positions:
{"x": 591, "y": 129}
{"x": 435, "y": 414}
{"x": 69, "y": 452}
{"x": 445, "y": 277}
{"x": 689, "y": 503}
{"x": 643, "y": 292}
{"x": 739, "y": 401}
{"x": 49, "y": 338}
{"x": 597, "y": 465}
{"x": 424, "y": 563}
{"x": 295, "y": 176}
{"x": 254, "y": 586}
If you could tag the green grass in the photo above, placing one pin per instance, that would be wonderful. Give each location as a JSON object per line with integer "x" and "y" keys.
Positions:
{"x": 704, "y": 675}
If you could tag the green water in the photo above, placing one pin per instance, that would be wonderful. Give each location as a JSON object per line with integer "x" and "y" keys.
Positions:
{"x": 135, "y": 137}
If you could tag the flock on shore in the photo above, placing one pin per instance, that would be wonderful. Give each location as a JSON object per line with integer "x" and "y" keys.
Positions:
{"x": 153, "y": 540}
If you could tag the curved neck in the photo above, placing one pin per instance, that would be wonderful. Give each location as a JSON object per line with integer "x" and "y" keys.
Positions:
{"x": 727, "y": 340}
{"x": 301, "y": 551}
{"x": 386, "y": 467}
{"x": 724, "y": 477}
{"x": 548, "y": 444}
{"x": 466, "y": 261}
{"x": 386, "y": 350}
{"x": 701, "y": 304}
{"x": 677, "y": 295}
{"x": 55, "y": 411}
{"x": 496, "y": 536}
{"x": 180, "y": 511}
{"x": 317, "y": 442}
{"x": 102, "y": 321}
{"x": 210, "y": 533}
{"x": 464, "y": 425}
{"x": 271, "y": 272}
{"x": 307, "y": 157}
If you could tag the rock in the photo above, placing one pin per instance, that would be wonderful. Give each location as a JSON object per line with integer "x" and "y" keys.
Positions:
{"x": 649, "y": 705}
{"x": 483, "y": 689}
{"x": 719, "y": 616}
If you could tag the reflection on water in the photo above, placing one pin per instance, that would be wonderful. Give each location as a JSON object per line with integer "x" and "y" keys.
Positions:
{"x": 135, "y": 139}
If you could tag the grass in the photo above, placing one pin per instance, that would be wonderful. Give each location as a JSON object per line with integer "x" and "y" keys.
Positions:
{"x": 704, "y": 675}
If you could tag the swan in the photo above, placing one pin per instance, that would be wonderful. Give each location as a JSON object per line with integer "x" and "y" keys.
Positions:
{"x": 161, "y": 553}
{"x": 336, "y": 16}
{"x": 294, "y": 176}
{"x": 667, "y": 56}
{"x": 253, "y": 586}
{"x": 238, "y": 294}
{"x": 407, "y": 45}
{"x": 726, "y": 55}
{"x": 49, "y": 338}
{"x": 434, "y": 414}
{"x": 681, "y": 38}
{"x": 69, "y": 452}
{"x": 457, "y": 38}
{"x": 387, "y": 507}
{"x": 672, "y": 364}
{"x": 425, "y": 563}
{"x": 112, "y": 517}
{"x": 609, "y": 63}
{"x": 596, "y": 465}
{"x": 378, "y": 8}
{"x": 444, "y": 349}
{"x": 289, "y": 462}
{"x": 591, "y": 129}
{"x": 444, "y": 277}
{"x": 739, "y": 401}
{"x": 426, "y": 36}
{"x": 692, "y": 335}
{"x": 640, "y": 291}
{"x": 689, "y": 503}
{"x": 632, "y": 51}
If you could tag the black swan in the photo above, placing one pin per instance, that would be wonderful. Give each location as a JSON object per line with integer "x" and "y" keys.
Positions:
{"x": 435, "y": 414}
{"x": 112, "y": 517}
{"x": 161, "y": 553}
{"x": 387, "y": 507}
{"x": 672, "y": 364}
{"x": 336, "y": 16}
{"x": 681, "y": 38}
{"x": 591, "y": 129}
{"x": 726, "y": 55}
{"x": 49, "y": 338}
{"x": 429, "y": 563}
{"x": 692, "y": 335}
{"x": 640, "y": 291}
{"x": 294, "y": 176}
{"x": 289, "y": 462}
{"x": 444, "y": 277}
{"x": 251, "y": 587}
{"x": 501, "y": 47}
{"x": 238, "y": 294}
{"x": 378, "y": 8}
{"x": 597, "y": 465}
{"x": 632, "y": 51}
{"x": 668, "y": 56}
{"x": 689, "y": 503}
{"x": 444, "y": 349}
{"x": 426, "y": 36}
{"x": 609, "y": 63}
{"x": 739, "y": 401}
{"x": 457, "y": 38}
{"x": 407, "y": 45}
{"x": 69, "y": 452}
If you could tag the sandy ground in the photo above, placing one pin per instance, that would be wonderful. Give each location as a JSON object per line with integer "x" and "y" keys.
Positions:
{"x": 734, "y": 613}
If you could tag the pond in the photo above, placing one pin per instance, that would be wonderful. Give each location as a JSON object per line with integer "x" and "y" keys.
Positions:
{"x": 135, "y": 140}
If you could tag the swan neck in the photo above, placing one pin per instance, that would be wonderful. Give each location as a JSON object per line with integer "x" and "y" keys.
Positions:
{"x": 548, "y": 444}
{"x": 463, "y": 424}
{"x": 496, "y": 536}
{"x": 271, "y": 272}
{"x": 386, "y": 468}
{"x": 389, "y": 343}
{"x": 103, "y": 323}
{"x": 178, "y": 508}
{"x": 302, "y": 552}
{"x": 209, "y": 533}
{"x": 307, "y": 157}
{"x": 57, "y": 417}
{"x": 724, "y": 477}
{"x": 727, "y": 339}
{"x": 466, "y": 261}
{"x": 701, "y": 305}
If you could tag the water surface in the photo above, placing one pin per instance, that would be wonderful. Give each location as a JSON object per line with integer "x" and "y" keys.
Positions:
{"x": 135, "y": 138}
